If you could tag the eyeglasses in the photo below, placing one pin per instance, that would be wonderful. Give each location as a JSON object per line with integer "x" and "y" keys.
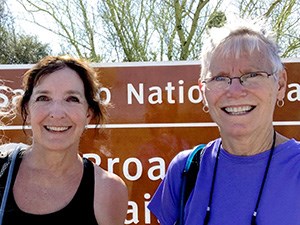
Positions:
{"x": 249, "y": 80}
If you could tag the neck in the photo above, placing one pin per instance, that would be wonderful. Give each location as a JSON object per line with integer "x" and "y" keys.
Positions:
{"x": 54, "y": 163}
{"x": 250, "y": 145}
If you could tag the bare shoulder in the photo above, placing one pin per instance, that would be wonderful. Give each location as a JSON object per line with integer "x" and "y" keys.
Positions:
{"x": 111, "y": 198}
{"x": 105, "y": 179}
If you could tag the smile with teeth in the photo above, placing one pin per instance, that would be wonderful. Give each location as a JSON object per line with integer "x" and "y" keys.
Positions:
{"x": 238, "y": 110}
{"x": 57, "y": 129}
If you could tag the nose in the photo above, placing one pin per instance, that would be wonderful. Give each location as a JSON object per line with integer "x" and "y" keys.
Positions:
{"x": 237, "y": 78}
{"x": 57, "y": 110}
{"x": 236, "y": 88}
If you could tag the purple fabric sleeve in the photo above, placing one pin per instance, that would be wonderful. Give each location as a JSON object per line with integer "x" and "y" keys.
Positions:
{"x": 165, "y": 201}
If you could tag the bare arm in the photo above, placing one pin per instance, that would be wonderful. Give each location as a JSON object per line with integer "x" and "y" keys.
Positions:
{"x": 111, "y": 198}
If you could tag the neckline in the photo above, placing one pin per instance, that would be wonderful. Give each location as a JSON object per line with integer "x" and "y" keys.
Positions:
{"x": 255, "y": 212}
{"x": 87, "y": 166}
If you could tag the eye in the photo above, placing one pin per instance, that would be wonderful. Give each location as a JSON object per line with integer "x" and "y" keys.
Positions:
{"x": 220, "y": 78}
{"x": 42, "y": 98}
{"x": 72, "y": 99}
{"x": 252, "y": 74}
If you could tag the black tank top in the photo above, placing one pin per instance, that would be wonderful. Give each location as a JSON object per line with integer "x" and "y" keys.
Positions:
{"x": 80, "y": 209}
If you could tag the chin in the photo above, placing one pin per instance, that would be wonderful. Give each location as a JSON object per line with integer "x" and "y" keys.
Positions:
{"x": 235, "y": 131}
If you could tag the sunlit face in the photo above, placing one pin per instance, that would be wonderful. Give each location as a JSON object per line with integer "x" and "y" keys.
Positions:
{"x": 241, "y": 110}
{"x": 58, "y": 110}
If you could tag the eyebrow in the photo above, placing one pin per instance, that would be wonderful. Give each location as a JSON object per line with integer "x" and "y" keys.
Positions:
{"x": 70, "y": 92}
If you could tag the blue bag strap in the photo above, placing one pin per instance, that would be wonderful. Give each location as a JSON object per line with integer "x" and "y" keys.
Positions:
{"x": 183, "y": 195}
{"x": 192, "y": 155}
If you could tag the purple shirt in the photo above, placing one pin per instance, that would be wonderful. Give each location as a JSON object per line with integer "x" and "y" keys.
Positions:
{"x": 237, "y": 185}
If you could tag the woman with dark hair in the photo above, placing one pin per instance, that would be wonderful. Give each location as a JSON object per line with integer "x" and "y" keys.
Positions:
{"x": 52, "y": 183}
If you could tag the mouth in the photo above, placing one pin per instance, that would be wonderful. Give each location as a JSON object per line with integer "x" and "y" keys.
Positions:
{"x": 241, "y": 110}
{"x": 57, "y": 129}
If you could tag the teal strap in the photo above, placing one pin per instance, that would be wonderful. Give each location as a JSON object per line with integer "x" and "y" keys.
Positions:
{"x": 191, "y": 156}
{"x": 184, "y": 182}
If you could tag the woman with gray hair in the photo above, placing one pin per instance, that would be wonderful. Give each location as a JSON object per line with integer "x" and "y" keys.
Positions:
{"x": 251, "y": 174}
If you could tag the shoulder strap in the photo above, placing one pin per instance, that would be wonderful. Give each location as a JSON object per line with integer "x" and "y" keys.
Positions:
{"x": 191, "y": 169}
{"x": 11, "y": 158}
{"x": 189, "y": 177}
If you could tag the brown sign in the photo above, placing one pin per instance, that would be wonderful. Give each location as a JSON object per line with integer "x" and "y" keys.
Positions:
{"x": 157, "y": 112}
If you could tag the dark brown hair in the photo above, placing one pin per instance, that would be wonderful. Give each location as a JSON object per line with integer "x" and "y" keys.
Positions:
{"x": 87, "y": 74}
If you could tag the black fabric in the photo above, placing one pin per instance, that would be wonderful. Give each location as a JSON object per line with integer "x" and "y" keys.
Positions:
{"x": 80, "y": 210}
{"x": 191, "y": 176}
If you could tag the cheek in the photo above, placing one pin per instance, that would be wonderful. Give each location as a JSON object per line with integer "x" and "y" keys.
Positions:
{"x": 211, "y": 97}
{"x": 272, "y": 100}
{"x": 36, "y": 113}
{"x": 82, "y": 115}
{"x": 269, "y": 94}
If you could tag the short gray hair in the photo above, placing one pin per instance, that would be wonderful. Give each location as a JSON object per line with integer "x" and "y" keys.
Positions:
{"x": 237, "y": 36}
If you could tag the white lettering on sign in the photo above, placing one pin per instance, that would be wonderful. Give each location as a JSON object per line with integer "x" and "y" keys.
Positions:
{"x": 155, "y": 94}
{"x": 139, "y": 169}
{"x": 294, "y": 94}
{"x": 105, "y": 91}
{"x": 7, "y": 98}
{"x": 133, "y": 216}
{"x": 156, "y": 171}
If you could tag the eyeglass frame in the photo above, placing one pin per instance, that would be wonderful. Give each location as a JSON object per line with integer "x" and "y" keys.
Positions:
{"x": 229, "y": 79}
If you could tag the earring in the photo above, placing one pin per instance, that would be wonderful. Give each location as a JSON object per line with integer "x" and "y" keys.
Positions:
{"x": 205, "y": 108}
{"x": 280, "y": 103}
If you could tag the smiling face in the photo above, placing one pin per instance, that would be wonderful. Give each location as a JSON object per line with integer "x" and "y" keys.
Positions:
{"x": 58, "y": 110}
{"x": 237, "y": 109}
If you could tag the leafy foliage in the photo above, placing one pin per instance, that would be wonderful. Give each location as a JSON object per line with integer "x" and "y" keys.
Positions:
{"x": 18, "y": 48}
{"x": 154, "y": 30}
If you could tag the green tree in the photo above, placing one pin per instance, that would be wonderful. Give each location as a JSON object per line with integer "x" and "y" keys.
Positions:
{"x": 284, "y": 15}
{"x": 17, "y": 48}
{"x": 153, "y": 30}
{"x": 74, "y": 21}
